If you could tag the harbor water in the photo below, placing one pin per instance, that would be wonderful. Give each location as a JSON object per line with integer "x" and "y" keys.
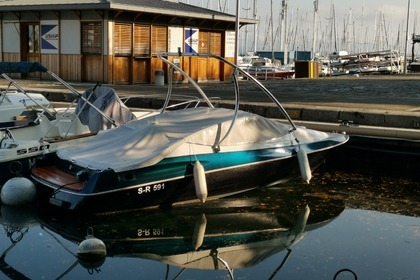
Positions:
{"x": 348, "y": 223}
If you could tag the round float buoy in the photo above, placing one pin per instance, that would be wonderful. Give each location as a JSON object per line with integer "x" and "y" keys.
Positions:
{"x": 18, "y": 191}
{"x": 305, "y": 169}
{"x": 200, "y": 181}
{"x": 91, "y": 251}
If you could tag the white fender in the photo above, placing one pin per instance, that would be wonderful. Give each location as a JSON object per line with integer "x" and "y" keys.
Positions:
{"x": 305, "y": 169}
{"x": 199, "y": 232}
{"x": 200, "y": 181}
{"x": 301, "y": 220}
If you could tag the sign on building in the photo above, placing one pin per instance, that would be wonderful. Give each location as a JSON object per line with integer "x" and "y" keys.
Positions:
{"x": 230, "y": 44}
{"x": 191, "y": 40}
{"x": 175, "y": 38}
{"x": 49, "y": 38}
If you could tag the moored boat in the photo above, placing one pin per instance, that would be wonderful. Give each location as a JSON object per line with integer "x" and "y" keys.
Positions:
{"x": 15, "y": 103}
{"x": 266, "y": 72}
{"x": 181, "y": 156}
{"x": 265, "y": 68}
{"x": 50, "y": 128}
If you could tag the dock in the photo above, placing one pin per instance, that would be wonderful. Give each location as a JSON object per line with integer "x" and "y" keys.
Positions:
{"x": 387, "y": 105}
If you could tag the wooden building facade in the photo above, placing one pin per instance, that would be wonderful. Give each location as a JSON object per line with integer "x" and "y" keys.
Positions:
{"x": 115, "y": 41}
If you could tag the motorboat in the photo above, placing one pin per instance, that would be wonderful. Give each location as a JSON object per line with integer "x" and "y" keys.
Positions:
{"x": 52, "y": 128}
{"x": 16, "y": 104}
{"x": 265, "y": 68}
{"x": 266, "y": 72}
{"x": 182, "y": 156}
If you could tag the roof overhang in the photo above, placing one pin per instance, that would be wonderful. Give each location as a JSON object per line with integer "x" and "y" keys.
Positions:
{"x": 105, "y": 5}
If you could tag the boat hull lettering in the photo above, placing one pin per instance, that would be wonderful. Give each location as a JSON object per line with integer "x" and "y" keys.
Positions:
{"x": 148, "y": 189}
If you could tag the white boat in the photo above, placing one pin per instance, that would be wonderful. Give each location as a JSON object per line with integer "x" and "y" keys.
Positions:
{"x": 265, "y": 68}
{"x": 247, "y": 60}
{"x": 182, "y": 156}
{"x": 266, "y": 72}
{"x": 14, "y": 103}
{"x": 97, "y": 109}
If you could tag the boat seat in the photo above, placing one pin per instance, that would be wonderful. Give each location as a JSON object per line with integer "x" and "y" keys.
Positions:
{"x": 69, "y": 124}
{"x": 48, "y": 128}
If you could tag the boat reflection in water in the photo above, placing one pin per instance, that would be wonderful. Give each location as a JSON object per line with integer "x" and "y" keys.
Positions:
{"x": 233, "y": 233}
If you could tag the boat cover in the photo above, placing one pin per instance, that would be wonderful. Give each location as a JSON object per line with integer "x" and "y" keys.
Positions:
{"x": 147, "y": 141}
{"x": 238, "y": 257}
{"x": 107, "y": 101}
{"x": 21, "y": 67}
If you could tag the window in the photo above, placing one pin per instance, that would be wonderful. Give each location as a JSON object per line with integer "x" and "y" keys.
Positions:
{"x": 33, "y": 38}
{"x": 159, "y": 39}
{"x": 91, "y": 38}
{"x": 141, "y": 40}
{"x": 122, "y": 39}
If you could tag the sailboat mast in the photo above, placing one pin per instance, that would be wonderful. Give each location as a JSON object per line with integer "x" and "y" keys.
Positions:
{"x": 315, "y": 30}
{"x": 246, "y": 28}
{"x": 406, "y": 37}
{"x": 255, "y": 26}
{"x": 272, "y": 30}
{"x": 335, "y": 30}
{"x": 238, "y": 3}
{"x": 283, "y": 30}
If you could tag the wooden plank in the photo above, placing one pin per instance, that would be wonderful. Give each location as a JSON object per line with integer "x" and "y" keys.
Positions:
{"x": 57, "y": 177}
{"x": 122, "y": 70}
{"x": 70, "y": 68}
{"x": 141, "y": 70}
{"x": 92, "y": 68}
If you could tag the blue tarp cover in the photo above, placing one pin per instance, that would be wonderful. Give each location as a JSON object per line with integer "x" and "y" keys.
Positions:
{"x": 21, "y": 67}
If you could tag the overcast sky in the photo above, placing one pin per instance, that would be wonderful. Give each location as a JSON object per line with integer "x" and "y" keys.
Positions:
{"x": 360, "y": 25}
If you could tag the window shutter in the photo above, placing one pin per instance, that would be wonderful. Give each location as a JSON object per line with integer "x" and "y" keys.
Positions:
{"x": 122, "y": 39}
{"x": 159, "y": 39}
{"x": 141, "y": 40}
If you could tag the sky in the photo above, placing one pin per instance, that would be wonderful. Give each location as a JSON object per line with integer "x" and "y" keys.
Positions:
{"x": 360, "y": 25}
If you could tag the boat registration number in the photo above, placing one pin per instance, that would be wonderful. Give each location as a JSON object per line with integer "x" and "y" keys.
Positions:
{"x": 148, "y": 232}
{"x": 151, "y": 188}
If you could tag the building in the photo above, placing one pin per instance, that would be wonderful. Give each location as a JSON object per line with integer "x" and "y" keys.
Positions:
{"x": 115, "y": 41}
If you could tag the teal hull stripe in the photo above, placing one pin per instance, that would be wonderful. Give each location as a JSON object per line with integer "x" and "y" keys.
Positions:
{"x": 178, "y": 167}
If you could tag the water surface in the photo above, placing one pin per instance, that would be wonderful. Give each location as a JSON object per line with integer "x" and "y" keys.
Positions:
{"x": 341, "y": 226}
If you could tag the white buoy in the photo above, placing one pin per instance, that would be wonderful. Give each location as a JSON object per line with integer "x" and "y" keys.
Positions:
{"x": 18, "y": 191}
{"x": 200, "y": 181}
{"x": 199, "y": 232}
{"x": 305, "y": 169}
{"x": 91, "y": 250}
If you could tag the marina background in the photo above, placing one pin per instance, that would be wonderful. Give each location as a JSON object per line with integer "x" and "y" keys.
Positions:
{"x": 352, "y": 26}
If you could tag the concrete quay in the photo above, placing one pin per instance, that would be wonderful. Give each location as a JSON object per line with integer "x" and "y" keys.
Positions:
{"x": 391, "y": 103}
